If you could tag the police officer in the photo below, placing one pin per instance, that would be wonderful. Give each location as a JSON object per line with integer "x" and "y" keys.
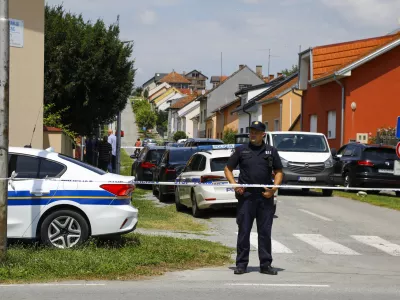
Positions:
{"x": 256, "y": 162}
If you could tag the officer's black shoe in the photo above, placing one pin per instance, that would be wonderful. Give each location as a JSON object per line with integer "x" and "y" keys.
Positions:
{"x": 268, "y": 270}
{"x": 239, "y": 271}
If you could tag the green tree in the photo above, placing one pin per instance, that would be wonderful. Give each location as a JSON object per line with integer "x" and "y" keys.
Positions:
{"x": 229, "y": 136}
{"x": 138, "y": 91}
{"x": 139, "y": 105}
{"x": 288, "y": 72}
{"x": 146, "y": 118}
{"x": 88, "y": 71}
{"x": 179, "y": 135}
{"x": 146, "y": 93}
{"x": 54, "y": 120}
{"x": 162, "y": 121}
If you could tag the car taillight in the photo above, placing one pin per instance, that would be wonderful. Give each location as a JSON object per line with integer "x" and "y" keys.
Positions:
{"x": 119, "y": 189}
{"x": 147, "y": 165}
{"x": 365, "y": 163}
{"x": 210, "y": 178}
{"x": 170, "y": 171}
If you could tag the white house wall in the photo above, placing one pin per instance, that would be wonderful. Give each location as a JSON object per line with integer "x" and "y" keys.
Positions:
{"x": 157, "y": 88}
{"x": 187, "y": 113}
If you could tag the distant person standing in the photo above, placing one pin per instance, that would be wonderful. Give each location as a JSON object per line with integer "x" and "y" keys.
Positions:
{"x": 112, "y": 139}
{"x": 91, "y": 148}
{"x": 138, "y": 144}
{"x": 105, "y": 153}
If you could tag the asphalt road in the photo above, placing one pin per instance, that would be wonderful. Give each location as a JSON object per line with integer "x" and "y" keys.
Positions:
{"x": 325, "y": 248}
{"x": 128, "y": 125}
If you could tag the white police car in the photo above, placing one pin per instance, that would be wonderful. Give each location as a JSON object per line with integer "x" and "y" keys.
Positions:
{"x": 206, "y": 166}
{"x": 65, "y": 213}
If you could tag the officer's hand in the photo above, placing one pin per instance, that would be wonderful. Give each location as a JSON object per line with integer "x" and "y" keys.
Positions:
{"x": 239, "y": 190}
{"x": 268, "y": 193}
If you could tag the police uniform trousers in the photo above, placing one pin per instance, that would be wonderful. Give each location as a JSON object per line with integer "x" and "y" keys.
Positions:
{"x": 254, "y": 206}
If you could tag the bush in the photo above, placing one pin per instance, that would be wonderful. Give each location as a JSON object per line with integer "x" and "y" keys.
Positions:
{"x": 179, "y": 135}
{"x": 229, "y": 136}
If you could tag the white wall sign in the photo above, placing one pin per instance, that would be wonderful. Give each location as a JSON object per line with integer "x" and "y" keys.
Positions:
{"x": 16, "y": 33}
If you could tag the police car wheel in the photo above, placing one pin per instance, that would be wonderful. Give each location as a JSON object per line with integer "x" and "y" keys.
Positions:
{"x": 196, "y": 212}
{"x": 64, "y": 229}
{"x": 178, "y": 205}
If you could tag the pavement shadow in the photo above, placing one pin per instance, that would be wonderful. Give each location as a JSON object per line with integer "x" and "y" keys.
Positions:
{"x": 252, "y": 269}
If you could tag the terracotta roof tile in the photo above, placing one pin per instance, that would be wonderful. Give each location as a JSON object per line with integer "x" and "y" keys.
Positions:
{"x": 278, "y": 91}
{"x": 330, "y": 58}
{"x": 51, "y": 129}
{"x": 174, "y": 77}
{"x": 185, "y": 91}
{"x": 183, "y": 102}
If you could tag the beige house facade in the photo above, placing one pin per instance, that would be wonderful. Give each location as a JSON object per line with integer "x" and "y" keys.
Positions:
{"x": 26, "y": 73}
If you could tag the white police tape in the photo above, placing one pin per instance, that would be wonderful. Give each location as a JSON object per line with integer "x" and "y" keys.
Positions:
{"x": 195, "y": 184}
{"x": 264, "y": 186}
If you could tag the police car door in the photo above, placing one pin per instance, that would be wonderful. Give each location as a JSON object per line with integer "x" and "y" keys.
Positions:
{"x": 27, "y": 194}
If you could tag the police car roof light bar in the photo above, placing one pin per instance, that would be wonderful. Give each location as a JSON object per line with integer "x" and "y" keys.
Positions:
{"x": 218, "y": 147}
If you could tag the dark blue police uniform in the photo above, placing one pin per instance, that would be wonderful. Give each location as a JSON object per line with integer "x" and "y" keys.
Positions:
{"x": 256, "y": 164}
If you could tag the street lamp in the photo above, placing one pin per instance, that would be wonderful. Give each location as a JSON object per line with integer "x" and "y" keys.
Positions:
{"x": 118, "y": 146}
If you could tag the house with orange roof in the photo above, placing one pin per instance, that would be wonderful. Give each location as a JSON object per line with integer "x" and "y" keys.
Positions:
{"x": 176, "y": 80}
{"x": 350, "y": 89}
{"x": 281, "y": 108}
{"x": 197, "y": 80}
{"x": 221, "y": 95}
{"x": 225, "y": 119}
{"x": 176, "y": 121}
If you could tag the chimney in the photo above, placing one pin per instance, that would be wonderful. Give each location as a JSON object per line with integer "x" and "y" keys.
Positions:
{"x": 271, "y": 77}
{"x": 279, "y": 74}
{"x": 241, "y": 66}
{"x": 259, "y": 71}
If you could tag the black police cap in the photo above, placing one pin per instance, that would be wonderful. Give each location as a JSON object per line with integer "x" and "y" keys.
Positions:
{"x": 257, "y": 125}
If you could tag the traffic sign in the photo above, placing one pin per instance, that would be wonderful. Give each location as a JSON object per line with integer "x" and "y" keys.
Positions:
{"x": 398, "y": 128}
{"x": 398, "y": 149}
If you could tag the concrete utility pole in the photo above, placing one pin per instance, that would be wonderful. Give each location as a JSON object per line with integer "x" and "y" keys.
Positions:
{"x": 118, "y": 145}
{"x": 4, "y": 102}
{"x": 118, "y": 135}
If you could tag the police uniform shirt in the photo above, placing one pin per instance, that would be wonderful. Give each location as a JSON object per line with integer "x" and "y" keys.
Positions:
{"x": 256, "y": 163}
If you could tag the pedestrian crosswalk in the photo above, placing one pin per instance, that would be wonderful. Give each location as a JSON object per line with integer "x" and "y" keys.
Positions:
{"x": 327, "y": 246}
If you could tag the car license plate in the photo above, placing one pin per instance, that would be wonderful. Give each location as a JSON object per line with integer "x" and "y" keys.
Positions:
{"x": 387, "y": 171}
{"x": 308, "y": 179}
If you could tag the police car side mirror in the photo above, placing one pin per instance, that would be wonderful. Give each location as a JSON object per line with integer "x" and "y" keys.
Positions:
{"x": 334, "y": 152}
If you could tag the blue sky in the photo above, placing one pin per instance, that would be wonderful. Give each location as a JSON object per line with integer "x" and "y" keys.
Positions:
{"x": 183, "y": 35}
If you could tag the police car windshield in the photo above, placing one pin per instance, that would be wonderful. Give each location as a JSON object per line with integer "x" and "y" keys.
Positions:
{"x": 300, "y": 143}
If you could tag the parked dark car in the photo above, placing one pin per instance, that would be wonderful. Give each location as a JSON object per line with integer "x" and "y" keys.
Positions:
{"x": 369, "y": 166}
{"x": 149, "y": 157}
{"x": 194, "y": 142}
{"x": 171, "y": 165}
{"x": 149, "y": 142}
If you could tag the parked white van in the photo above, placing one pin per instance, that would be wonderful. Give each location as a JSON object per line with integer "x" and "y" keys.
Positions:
{"x": 306, "y": 158}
